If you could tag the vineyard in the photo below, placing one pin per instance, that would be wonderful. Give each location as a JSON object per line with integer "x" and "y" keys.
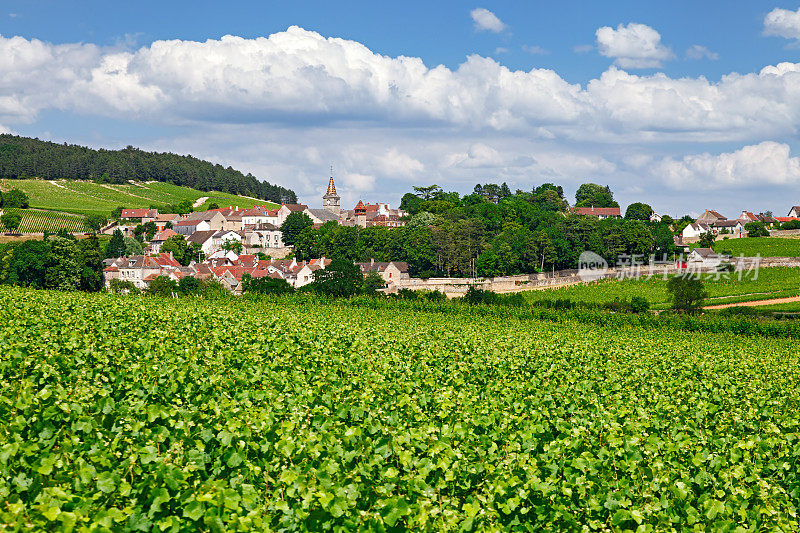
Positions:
{"x": 763, "y": 246}
{"x": 279, "y": 415}
{"x": 86, "y": 197}
{"x": 36, "y": 221}
{"x": 774, "y": 282}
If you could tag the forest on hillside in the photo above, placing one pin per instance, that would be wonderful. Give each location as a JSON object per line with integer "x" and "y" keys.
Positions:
{"x": 23, "y": 157}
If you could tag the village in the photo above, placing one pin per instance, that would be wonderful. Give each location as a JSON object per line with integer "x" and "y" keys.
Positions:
{"x": 237, "y": 242}
{"x": 233, "y": 243}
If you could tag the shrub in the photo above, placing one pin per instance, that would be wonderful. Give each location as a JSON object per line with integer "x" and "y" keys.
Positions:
{"x": 475, "y": 296}
{"x": 639, "y": 304}
{"x": 162, "y": 286}
{"x": 123, "y": 286}
{"x": 687, "y": 292}
{"x": 792, "y": 224}
{"x": 265, "y": 285}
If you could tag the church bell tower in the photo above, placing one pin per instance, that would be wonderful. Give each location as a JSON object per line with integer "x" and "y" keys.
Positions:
{"x": 330, "y": 200}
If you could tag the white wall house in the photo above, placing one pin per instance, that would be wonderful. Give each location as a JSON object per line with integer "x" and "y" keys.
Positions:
{"x": 703, "y": 257}
{"x": 695, "y": 230}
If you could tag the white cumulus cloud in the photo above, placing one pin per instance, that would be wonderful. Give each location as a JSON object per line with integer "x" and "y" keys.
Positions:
{"x": 301, "y": 79}
{"x": 485, "y": 20}
{"x": 766, "y": 163}
{"x": 633, "y": 46}
{"x": 783, "y": 23}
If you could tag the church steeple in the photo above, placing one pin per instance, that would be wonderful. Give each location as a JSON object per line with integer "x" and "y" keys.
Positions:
{"x": 330, "y": 200}
{"x": 331, "y": 188}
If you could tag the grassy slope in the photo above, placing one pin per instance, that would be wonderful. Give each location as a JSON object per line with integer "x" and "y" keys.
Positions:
{"x": 773, "y": 282}
{"x": 82, "y": 197}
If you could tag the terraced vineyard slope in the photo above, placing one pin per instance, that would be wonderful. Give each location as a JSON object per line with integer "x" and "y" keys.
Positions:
{"x": 323, "y": 416}
{"x": 37, "y": 221}
{"x": 86, "y": 197}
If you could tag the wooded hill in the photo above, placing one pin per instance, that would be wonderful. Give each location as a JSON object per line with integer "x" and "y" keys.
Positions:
{"x": 23, "y": 157}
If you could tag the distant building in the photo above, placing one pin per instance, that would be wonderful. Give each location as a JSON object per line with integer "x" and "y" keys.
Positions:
{"x": 599, "y": 212}
{"x": 705, "y": 257}
{"x": 710, "y": 215}
{"x": 695, "y": 230}
{"x": 142, "y": 216}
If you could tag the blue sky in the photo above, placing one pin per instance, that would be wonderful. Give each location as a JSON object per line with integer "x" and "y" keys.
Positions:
{"x": 684, "y": 105}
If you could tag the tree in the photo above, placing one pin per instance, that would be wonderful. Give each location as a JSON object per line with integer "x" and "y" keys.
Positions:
{"x": 428, "y": 193}
{"x": 95, "y": 222}
{"x": 212, "y": 205}
{"x": 149, "y": 230}
{"x": 11, "y": 219}
{"x": 138, "y": 232}
{"x": 638, "y": 211}
{"x": 687, "y": 292}
{"x": 706, "y": 240}
{"x": 411, "y": 203}
{"x": 90, "y": 264}
{"x": 545, "y": 248}
{"x": 15, "y": 199}
{"x": 184, "y": 207}
{"x": 116, "y": 246}
{"x": 116, "y": 213}
{"x": 341, "y": 278}
{"x": 133, "y": 247}
{"x": 372, "y": 282}
{"x": 29, "y": 264}
{"x": 232, "y": 245}
{"x": 293, "y": 225}
{"x": 756, "y": 229}
{"x": 189, "y": 285}
{"x": 593, "y": 195}
{"x": 63, "y": 271}
{"x": 193, "y": 253}
{"x": 162, "y": 286}
{"x": 177, "y": 245}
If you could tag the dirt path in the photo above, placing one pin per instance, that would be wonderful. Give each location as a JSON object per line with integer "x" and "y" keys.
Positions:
{"x": 200, "y": 201}
{"x": 756, "y": 303}
{"x": 124, "y": 192}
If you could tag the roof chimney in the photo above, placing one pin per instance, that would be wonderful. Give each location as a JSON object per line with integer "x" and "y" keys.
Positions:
{"x": 372, "y": 261}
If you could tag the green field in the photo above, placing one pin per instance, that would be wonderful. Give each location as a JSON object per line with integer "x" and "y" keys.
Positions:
{"x": 326, "y": 416}
{"x": 773, "y": 282}
{"x": 35, "y": 221}
{"x": 764, "y": 246}
{"x": 86, "y": 197}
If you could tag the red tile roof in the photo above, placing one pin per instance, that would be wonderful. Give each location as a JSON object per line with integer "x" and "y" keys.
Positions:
{"x": 597, "y": 211}
{"x": 138, "y": 213}
{"x": 164, "y": 235}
